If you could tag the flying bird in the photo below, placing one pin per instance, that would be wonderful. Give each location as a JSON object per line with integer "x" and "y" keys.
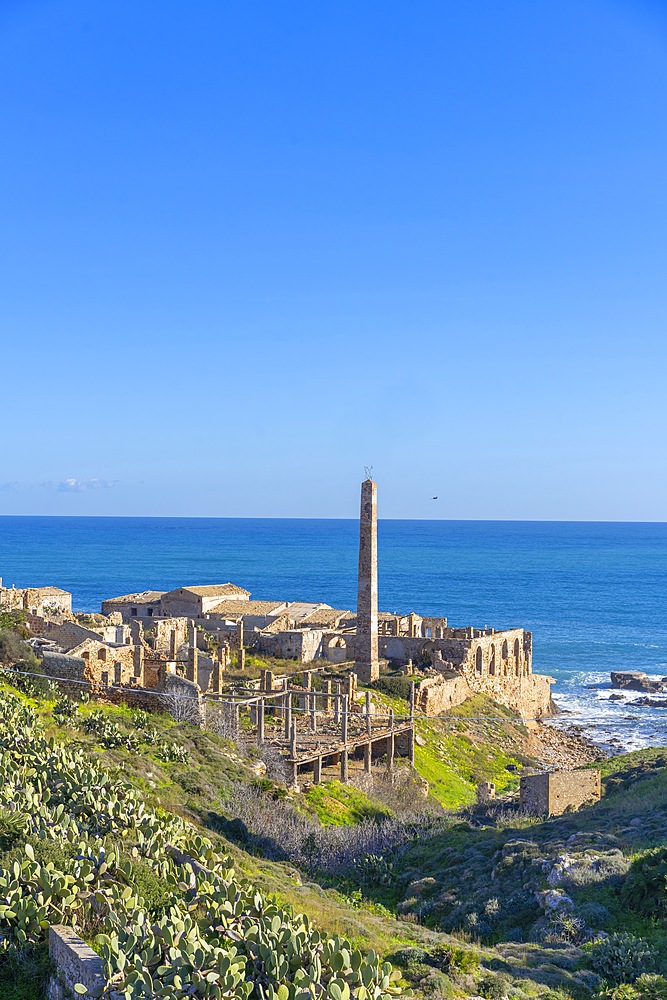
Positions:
{"x": 434, "y": 498}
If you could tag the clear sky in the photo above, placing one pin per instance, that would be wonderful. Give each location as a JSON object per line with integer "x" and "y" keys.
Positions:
{"x": 247, "y": 249}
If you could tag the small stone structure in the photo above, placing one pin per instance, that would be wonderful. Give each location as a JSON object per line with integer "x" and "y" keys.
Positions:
{"x": 551, "y": 793}
{"x": 74, "y": 962}
{"x": 486, "y": 792}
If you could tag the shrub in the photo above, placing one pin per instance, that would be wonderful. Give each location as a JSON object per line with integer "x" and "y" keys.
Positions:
{"x": 63, "y": 710}
{"x": 12, "y": 828}
{"x": 493, "y": 987}
{"x": 644, "y": 887}
{"x": 651, "y": 987}
{"x": 622, "y": 958}
{"x": 595, "y": 915}
{"x": 395, "y": 687}
{"x": 374, "y": 872}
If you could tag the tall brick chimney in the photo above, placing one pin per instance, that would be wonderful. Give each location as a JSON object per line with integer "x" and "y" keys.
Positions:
{"x": 367, "y": 665}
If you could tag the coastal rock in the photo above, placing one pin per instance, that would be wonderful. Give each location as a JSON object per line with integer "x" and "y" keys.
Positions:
{"x": 650, "y": 702}
{"x": 635, "y": 680}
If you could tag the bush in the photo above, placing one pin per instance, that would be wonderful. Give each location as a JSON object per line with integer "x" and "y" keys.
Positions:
{"x": 12, "y": 828}
{"x": 395, "y": 687}
{"x": 622, "y": 958}
{"x": 644, "y": 886}
{"x": 595, "y": 915}
{"x": 651, "y": 987}
{"x": 493, "y": 987}
{"x": 374, "y": 872}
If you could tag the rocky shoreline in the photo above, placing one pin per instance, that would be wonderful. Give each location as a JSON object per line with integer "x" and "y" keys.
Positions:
{"x": 558, "y": 747}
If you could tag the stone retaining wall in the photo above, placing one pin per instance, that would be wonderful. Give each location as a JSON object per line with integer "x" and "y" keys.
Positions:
{"x": 74, "y": 963}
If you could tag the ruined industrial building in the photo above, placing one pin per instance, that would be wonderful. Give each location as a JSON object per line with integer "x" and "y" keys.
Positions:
{"x": 193, "y": 642}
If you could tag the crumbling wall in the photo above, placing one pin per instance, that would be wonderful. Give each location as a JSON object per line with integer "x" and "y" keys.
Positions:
{"x": 117, "y": 663}
{"x": 169, "y": 634}
{"x": 66, "y": 634}
{"x": 303, "y": 645}
{"x": 436, "y": 694}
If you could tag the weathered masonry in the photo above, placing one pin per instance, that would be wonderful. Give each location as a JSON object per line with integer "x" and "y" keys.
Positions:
{"x": 367, "y": 663}
{"x": 553, "y": 792}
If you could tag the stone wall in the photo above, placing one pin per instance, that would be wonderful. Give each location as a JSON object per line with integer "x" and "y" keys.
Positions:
{"x": 553, "y": 792}
{"x": 116, "y": 662}
{"x": 74, "y": 962}
{"x": 303, "y": 645}
{"x": 38, "y": 600}
{"x": 66, "y": 634}
{"x": 169, "y": 635}
{"x": 436, "y": 694}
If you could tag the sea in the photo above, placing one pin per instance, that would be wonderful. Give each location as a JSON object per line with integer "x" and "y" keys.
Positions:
{"x": 594, "y": 595}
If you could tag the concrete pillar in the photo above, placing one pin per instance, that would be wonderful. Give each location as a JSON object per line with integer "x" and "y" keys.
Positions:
{"x": 317, "y": 770}
{"x": 397, "y": 625}
{"x": 390, "y": 742}
{"x": 267, "y": 680}
{"x": 326, "y": 700}
{"x": 343, "y": 721}
{"x": 192, "y": 634}
{"x": 216, "y": 678}
{"x": 343, "y": 766}
{"x": 368, "y": 757}
{"x": 367, "y": 664}
{"x": 260, "y": 721}
{"x": 239, "y": 634}
{"x": 138, "y": 654}
{"x": 192, "y": 664}
{"x": 411, "y": 747}
{"x": 312, "y": 708}
{"x": 293, "y": 741}
{"x": 368, "y": 713}
{"x": 173, "y": 646}
{"x": 351, "y": 686}
{"x": 337, "y": 698}
{"x": 222, "y": 657}
{"x": 241, "y": 660}
{"x": 307, "y": 681}
{"x": 117, "y": 674}
{"x": 412, "y": 699}
{"x": 288, "y": 715}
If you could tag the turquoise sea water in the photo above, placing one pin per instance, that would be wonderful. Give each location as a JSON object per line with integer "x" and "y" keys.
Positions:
{"x": 593, "y": 594}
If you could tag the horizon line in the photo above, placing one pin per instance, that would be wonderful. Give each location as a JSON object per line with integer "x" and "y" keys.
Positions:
{"x": 233, "y": 517}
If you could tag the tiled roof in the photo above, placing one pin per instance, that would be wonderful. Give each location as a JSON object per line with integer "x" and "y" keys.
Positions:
{"x": 49, "y": 590}
{"x": 145, "y": 597}
{"x": 213, "y": 589}
{"x": 239, "y": 609}
{"x": 323, "y": 618}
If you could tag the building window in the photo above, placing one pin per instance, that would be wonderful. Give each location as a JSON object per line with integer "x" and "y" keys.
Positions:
{"x": 133, "y": 611}
{"x": 150, "y": 612}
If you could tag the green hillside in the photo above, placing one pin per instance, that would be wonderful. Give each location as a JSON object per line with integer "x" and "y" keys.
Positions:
{"x": 107, "y": 814}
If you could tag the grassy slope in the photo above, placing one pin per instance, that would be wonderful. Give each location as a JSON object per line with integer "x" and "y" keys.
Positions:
{"x": 458, "y": 860}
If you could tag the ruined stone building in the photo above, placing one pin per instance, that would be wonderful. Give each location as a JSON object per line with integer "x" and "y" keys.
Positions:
{"x": 183, "y": 625}
{"x": 36, "y": 600}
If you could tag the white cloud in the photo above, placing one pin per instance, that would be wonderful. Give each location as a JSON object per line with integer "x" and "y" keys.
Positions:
{"x": 72, "y": 485}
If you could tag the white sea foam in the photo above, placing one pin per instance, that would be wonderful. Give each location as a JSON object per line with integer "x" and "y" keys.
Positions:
{"x": 614, "y": 723}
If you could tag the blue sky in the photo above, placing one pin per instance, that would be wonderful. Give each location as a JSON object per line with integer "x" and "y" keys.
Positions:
{"x": 248, "y": 249}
